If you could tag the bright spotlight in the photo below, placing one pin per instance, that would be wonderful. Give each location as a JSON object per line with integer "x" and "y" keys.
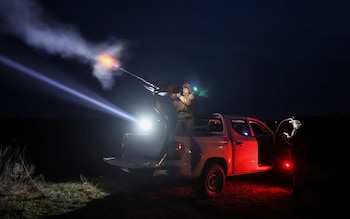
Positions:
{"x": 145, "y": 124}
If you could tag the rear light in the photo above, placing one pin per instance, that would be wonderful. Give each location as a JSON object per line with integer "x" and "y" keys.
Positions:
{"x": 287, "y": 164}
{"x": 176, "y": 151}
{"x": 179, "y": 146}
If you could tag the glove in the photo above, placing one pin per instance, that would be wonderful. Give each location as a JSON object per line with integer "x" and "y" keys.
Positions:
{"x": 174, "y": 95}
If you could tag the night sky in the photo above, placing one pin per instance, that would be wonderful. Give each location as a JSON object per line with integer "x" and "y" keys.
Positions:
{"x": 266, "y": 59}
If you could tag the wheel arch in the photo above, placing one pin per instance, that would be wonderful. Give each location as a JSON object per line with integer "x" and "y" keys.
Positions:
{"x": 217, "y": 160}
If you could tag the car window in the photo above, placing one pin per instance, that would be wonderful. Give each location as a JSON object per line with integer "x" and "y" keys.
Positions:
{"x": 258, "y": 129}
{"x": 241, "y": 127}
{"x": 208, "y": 125}
{"x": 215, "y": 125}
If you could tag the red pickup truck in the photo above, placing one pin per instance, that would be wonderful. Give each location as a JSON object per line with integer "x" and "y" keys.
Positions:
{"x": 222, "y": 146}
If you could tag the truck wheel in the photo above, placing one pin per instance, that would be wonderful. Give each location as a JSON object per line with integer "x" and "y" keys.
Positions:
{"x": 211, "y": 182}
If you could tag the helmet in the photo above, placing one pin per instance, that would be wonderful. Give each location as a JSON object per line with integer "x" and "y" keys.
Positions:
{"x": 188, "y": 85}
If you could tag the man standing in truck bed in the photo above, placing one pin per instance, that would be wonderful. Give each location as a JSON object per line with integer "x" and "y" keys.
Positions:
{"x": 186, "y": 107}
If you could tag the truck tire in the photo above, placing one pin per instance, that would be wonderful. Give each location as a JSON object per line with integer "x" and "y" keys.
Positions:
{"x": 211, "y": 182}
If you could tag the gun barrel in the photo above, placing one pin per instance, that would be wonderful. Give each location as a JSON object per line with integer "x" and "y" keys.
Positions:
{"x": 138, "y": 77}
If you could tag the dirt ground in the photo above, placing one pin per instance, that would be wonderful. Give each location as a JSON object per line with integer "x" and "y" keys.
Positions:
{"x": 256, "y": 196}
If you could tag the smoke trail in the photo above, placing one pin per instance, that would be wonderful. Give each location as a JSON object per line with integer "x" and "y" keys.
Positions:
{"x": 26, "y": 20}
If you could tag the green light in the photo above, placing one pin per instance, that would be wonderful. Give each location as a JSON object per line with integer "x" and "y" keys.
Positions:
{"x": 199, "y": 91}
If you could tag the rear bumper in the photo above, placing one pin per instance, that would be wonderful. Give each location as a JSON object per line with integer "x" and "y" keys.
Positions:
{"x": 144, "y": 167}
{"x": 133, "y": 164}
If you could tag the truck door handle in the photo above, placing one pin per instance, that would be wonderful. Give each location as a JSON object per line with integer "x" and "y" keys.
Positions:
{"x": 239, "y": 143}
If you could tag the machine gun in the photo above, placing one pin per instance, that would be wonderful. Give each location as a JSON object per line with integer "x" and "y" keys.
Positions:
{"x": 111, "y": 63}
